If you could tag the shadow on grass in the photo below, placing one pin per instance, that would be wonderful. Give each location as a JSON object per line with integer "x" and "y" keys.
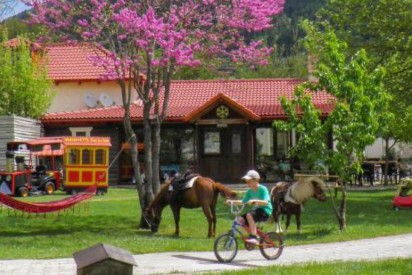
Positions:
{"x": 316, "y": 234}
{"x": 66, "y": 225}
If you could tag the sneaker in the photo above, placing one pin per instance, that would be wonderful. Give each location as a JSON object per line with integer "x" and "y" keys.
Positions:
{"x": 252, "y": 240}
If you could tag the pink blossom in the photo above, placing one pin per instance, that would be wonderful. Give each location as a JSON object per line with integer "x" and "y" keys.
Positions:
{"x": 149, "y": 33}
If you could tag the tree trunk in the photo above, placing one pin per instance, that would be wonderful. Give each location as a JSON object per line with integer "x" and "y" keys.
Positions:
{"x": 148, "y": 193}
{"x": 342, "y": 210}
{"x": 130, "y": 135}
{"x": 156, "y": 157}
{"x": 386, "y": 167}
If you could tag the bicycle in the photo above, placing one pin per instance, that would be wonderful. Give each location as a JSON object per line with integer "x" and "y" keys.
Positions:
{"x": 226, "y": 245}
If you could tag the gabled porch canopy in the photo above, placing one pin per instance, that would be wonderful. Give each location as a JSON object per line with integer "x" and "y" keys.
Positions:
{"x": 217, "y": 100}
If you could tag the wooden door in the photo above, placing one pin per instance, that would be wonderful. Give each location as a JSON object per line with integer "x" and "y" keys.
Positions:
{"x": 223, "y": 152}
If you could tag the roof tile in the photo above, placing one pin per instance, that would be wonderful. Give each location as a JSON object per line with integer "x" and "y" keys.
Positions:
{"x": 67, "y": 62}
{"x": 260, "y": 96}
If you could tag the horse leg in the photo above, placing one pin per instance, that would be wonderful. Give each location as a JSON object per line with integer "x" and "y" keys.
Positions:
{"x": 277, "y": 222}
{"x": 214, "y": 220}
{"x": 176, "y": 216}
{"x": 288, "y": 216}
{"x": 298, "y": 222}
{"x": 209, "y": 217}
{"x": 213, "y": 211}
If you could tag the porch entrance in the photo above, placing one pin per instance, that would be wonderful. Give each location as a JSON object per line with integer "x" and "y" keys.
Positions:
{"x": 223, "y": 152}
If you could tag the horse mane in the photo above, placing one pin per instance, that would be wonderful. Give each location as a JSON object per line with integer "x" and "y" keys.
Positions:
{"x": 303, "y": 189}
{"x": 160, "y": 194}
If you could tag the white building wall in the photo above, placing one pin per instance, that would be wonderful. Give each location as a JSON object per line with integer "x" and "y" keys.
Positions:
{"x": 70, "y": 96}
{"x": 377, "y": 149}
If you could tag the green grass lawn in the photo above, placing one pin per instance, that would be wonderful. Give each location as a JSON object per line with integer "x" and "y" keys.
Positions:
{"x": 114, "y": 219}
{"x": 389, "y": 267}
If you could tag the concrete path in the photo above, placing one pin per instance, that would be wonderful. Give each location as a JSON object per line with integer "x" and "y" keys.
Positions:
{"x": 196, "y": 262}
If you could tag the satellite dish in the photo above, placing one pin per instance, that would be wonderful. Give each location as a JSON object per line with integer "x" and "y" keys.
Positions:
{"x": 106, "y": 100}
{"x": 90, "y": 100}
{"x": 138, "y": 102}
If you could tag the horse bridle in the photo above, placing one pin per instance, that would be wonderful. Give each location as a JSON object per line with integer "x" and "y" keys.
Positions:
{"x": 145, "y": 218}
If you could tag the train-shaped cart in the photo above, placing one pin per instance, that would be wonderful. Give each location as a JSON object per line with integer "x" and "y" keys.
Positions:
{"x": 29, "y": 169}
{"x": 86, "y": 162}
{"x": 50, "y": 163}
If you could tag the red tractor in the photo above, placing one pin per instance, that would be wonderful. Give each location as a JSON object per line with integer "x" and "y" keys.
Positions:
{"x": 32, "y": 166}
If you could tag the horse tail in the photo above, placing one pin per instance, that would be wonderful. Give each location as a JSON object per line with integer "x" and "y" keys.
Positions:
{"x": 224, "y": 190}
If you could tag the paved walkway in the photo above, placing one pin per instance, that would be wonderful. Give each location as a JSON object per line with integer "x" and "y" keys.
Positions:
{"x": 196, "y": 262}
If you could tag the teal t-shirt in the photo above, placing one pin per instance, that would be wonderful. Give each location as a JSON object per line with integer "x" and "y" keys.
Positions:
{"x": 261, "y": 193}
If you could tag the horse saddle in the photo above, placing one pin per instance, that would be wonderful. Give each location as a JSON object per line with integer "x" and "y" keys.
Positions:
{"x": 279, "y": 191}
{"x": 279, "y": 195}
{"x": 183, "y": 182}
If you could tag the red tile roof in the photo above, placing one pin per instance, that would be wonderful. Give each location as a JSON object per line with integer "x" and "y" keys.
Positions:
{"x": 258, "y": 97}
{"x": 68, "y": 62}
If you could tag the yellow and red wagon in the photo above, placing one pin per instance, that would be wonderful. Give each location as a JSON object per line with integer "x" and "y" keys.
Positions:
{"x": 86, "y": 162}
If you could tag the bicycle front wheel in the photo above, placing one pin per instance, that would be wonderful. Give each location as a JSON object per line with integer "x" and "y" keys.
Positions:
{"x": 225, "y": 248}
{"x": 271, "y": 245}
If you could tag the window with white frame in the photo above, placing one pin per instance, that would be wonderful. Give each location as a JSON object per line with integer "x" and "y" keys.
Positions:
{"x": 81, "y": 131}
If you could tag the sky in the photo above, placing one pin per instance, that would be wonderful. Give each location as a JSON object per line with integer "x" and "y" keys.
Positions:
{"x": 19, "y": 7}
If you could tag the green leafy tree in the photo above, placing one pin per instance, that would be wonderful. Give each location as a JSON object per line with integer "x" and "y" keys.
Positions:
{"x": 25, "y": 89}
{"x": 383, "y": 29}
{"x": 355, "y": 120}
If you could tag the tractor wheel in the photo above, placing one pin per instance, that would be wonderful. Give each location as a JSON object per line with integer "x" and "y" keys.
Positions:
{"x": 23, "y": 192}
{"x": 49, "y": 188}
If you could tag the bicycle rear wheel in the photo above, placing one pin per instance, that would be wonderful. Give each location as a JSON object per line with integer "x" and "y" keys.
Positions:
{"x": 271, "y": 245}
{"x": 225, "y": 248}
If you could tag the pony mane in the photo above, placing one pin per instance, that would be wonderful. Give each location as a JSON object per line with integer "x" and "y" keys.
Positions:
{"x": 160, "y": 194}
{"x": 303, "y": 189}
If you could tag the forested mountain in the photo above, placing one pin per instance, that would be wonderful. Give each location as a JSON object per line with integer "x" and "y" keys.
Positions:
{"x": 287, "y": 32}
{"x": 288, "y": 60}
{"x": 16, "y": 25}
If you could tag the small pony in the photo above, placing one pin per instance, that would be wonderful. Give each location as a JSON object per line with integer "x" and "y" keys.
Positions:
{"x": 202, "y": 193}
{"x": 288, "y": 198}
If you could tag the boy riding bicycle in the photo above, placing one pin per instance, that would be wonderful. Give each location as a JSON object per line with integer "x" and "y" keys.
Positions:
{"x": 258, "y": 196}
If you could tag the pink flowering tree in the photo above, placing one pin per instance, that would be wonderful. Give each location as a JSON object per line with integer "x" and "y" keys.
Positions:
{"x": 156, "y": 38}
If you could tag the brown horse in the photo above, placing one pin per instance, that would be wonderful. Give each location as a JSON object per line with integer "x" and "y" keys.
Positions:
{"x": 288, "y": 198}
{"x": 203, "y": 193}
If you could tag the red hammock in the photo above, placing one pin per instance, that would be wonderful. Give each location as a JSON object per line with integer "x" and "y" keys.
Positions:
{"x": 47, "y": 207}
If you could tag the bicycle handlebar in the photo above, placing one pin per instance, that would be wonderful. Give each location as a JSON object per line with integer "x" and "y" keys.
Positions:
{"x": 236, "y": 208}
